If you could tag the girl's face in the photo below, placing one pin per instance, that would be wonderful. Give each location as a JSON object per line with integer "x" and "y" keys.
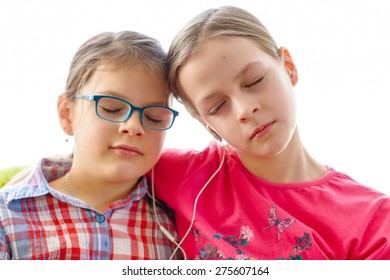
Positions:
{"x": 118, "y": 151}
{"x": 243, "y": 94}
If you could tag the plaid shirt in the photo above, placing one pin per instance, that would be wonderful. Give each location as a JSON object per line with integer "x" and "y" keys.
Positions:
{"x": 38, "y": 222}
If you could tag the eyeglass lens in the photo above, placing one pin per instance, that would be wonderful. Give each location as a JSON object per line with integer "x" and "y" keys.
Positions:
{"x": 118, "y": 111}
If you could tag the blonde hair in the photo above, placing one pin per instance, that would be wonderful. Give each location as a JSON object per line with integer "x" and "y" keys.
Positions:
{"x": 223, "y": 21}
{"x": 110, "y": 47}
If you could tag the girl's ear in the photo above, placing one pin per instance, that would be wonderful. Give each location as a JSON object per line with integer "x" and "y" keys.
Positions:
{"x": 64, "y": 106}
{"x": 289, "y": 65}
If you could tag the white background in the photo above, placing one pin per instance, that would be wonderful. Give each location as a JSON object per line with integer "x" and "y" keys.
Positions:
{"x": 193, "y": 269}
{"x": 341, "y": 49}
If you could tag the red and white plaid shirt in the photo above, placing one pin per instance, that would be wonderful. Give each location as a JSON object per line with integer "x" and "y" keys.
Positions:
{"x": 38, "y": 222}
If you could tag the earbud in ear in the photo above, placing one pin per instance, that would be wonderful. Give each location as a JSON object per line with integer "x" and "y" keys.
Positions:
{"x": 212, "y": 131}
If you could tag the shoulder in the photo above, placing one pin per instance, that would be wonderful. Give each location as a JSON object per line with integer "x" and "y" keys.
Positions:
{"x": 348, "y": 185}
{"x": 364, "y": 212}
{"x": 179, "y": 164}
{"x": 22, "y": 190}
{"x": 179, "y": 170}
{"x": 36, "y": 182}
{"x": 212, "y": 152}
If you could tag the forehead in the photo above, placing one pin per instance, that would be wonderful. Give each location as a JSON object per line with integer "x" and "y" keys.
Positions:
{"x": 129, "y": 65}
{"x": 218, "y": 61}
{"x": 131, "y": 81}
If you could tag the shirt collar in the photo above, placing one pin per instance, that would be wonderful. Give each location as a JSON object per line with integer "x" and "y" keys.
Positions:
{"x": 49, "y": 169}
{"x": 136, "y": 194}
{"x": 36, "y": 184}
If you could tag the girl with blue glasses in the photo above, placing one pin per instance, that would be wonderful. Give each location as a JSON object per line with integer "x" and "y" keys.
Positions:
{"x": 95, "y": 205}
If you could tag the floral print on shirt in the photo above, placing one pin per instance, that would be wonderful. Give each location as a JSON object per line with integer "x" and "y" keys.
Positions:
{"x": 303, "y": 244}
{"x": 238, "y": 242}
{"x": 246, "y": 236}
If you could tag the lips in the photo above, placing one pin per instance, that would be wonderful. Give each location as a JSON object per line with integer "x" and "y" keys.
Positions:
{"x": 127, "y": 150}
{"x": 262, "y": 130}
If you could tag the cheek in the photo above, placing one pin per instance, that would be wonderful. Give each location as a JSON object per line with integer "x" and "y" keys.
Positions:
{"x": 160, "y": 141}
{"x": 155, "y": 142}
{"x": 223, "y": 130}
{"x": 153, "y": 147}
{"x": 283, "y": 98}
{"x": 82, "y": 117}
{"x": 92, "y": 132}
{"x": 288, "y": 105}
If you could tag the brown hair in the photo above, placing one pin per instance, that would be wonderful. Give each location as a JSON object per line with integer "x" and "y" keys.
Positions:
{"x": 110, "y": 47}
{"x": 223, "y": 21}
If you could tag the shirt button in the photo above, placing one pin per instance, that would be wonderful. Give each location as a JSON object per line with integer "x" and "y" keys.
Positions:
{"x": 100, "y": 218}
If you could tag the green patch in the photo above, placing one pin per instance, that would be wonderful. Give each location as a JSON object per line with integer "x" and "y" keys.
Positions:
{"x": 8, "y": 173}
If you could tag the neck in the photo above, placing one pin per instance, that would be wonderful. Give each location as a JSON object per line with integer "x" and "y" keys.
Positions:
{"x": 93, "y": 190}
{"x": 292, "y": 165}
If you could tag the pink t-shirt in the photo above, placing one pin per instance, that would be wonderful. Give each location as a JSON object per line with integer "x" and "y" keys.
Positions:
{"x": 241, "y": 216}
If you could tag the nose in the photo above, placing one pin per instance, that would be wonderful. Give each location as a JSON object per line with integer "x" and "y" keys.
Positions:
{"x": 133, "y": 125}
{"x": 246, "y": 107}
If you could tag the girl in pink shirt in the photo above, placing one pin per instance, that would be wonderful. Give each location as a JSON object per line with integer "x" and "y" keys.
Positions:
{"x": 269, "y": 199}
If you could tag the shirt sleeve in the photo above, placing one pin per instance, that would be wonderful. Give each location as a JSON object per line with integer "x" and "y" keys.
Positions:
{"x": 375, "y": 244}
{"x": 181, "y": 173}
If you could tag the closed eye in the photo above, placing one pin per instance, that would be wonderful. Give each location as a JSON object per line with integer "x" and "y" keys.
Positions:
{"x": 111, "y": 111}
{"x": 216, "y": 109}
{"x": 258, "y": 81}
{"x": 150, "y": 119}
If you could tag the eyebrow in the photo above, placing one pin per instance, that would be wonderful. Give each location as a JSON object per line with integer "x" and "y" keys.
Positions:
{"x": 110, "y": 92}
{"x": 247, "y": 67}
{"x": 116, "y": 94}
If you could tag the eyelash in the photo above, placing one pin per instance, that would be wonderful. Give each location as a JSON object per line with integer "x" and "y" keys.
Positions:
{"x": 219, "y": 106}
{"x": 255, "y": 83}
{"x": 112, "y": 111}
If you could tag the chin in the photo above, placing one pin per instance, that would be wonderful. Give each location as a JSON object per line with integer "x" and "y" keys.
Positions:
{"x": 266, "y": 151}
{"x": 126, "y": 172}
{"x": 276, "y": 151}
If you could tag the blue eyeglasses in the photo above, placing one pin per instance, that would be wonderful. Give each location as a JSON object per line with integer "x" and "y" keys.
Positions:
{"x": 115, "y": 109}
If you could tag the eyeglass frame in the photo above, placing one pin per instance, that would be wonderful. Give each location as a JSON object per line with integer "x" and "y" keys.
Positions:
{"x": 133, "y": 108}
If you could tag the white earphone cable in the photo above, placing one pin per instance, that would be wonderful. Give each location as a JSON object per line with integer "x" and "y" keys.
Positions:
{"x": 196, "y": 202}
{"x": 161, "y": 227}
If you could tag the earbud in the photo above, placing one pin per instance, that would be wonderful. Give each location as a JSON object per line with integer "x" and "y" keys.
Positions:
{"x": 167, "y": 234}
{"x": 212, "y": 131}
